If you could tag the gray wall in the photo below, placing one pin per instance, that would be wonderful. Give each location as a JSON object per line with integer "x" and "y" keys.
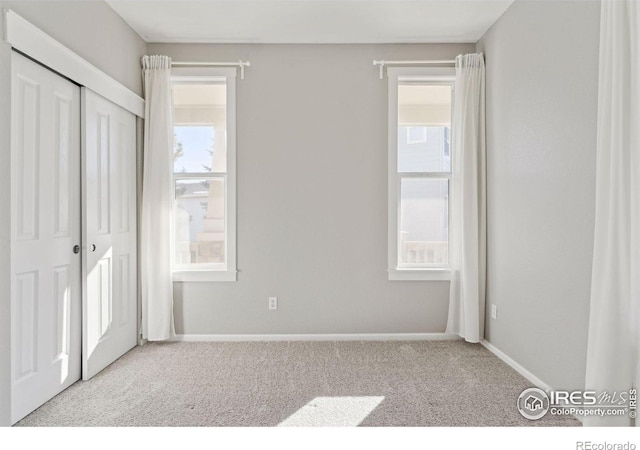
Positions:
{"x": 312, "y": 197}
{"x": 92, "y": 30}
{"x": 95, "y": 32}
{"x": 542, "y": 72}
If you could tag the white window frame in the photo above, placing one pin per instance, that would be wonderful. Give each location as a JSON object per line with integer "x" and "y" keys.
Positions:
{"x": 227, "y": 271}
{"x": 396, "y": 271}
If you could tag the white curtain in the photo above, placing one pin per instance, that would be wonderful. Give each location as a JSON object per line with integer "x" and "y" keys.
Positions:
{"x": 613, "y": 349}
{"x": 468, "y": 201}
{"x": 155, "y": 226}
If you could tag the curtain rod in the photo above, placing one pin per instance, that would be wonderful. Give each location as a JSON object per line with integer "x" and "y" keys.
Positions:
{"x": 241, "y": 64}
{"x": 383, "y": 63}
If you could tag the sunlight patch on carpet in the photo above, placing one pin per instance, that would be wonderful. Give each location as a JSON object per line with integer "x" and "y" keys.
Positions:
{"x": 333, "y": 412}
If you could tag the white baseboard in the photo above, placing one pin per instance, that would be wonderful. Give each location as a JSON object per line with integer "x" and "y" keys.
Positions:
{"x": 515, "y": 366}
{"x": 315, "y": 337}
{"x": 537, "y": 382}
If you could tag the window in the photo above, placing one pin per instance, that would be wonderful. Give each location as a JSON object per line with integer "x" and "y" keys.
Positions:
{"x": 420, "y": 171}
{"x": 416, "y": 135}
{"x": 204, "y": 245}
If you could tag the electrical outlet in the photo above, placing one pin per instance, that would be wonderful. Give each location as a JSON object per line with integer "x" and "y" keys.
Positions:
{"x": 494, "y": 311}
{"x": 273, "y": 302}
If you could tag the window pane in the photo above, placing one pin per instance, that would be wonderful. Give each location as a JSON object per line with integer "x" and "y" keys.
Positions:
{"x": 424, "y": 221}
{"x": 200, "y": 121}
{"x": 199, "y": 222}
{"x": 193, "y": 149}
{"x": 424, "y": 128}
{"x": 416, "y": 135}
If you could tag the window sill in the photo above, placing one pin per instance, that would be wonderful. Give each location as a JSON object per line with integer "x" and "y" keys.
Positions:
{"x": 419, "y": 274}
{"x": 205, "y": 275}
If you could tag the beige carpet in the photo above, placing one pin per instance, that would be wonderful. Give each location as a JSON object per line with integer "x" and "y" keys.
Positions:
{"x": 446, "y": 383}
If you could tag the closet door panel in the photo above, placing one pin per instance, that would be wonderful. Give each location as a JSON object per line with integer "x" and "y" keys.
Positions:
{"x": 110, "y": 312}
{"x": 45, "y": 210}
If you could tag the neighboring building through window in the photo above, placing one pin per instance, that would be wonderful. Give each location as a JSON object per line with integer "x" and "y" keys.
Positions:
{"x": 420, "y": 171}
{"x": 204, "y": 176}
{"x": 416, "y": 135}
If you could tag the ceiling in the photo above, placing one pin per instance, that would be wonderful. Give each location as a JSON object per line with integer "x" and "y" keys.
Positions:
{"x": 310, "y": 21}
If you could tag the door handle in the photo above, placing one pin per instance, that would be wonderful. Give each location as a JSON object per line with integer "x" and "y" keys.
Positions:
{"x": 76, "y": 249}
{"x": 93, "y": 247}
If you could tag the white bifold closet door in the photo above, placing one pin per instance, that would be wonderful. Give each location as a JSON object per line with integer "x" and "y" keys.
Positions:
{"x": 45, "y": 249}
{"x": 73, "y": 247}
{"x": 109, "y": 228}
